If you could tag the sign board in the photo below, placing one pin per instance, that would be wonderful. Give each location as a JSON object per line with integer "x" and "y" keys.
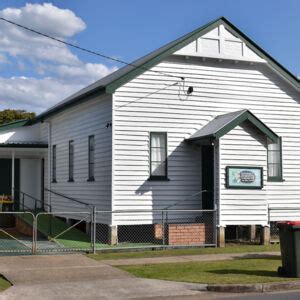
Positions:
{"x": 244, "y": 177}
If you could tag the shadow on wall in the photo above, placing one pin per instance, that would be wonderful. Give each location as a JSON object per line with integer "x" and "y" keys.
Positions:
{"x": 181, "y": 189}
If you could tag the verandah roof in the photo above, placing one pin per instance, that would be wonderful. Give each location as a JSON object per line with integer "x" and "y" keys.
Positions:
{"x": 222, "y": 124}
{"x": 24, "y": 145}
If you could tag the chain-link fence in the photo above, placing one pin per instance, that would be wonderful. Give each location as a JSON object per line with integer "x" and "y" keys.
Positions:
{"x": 156, "y": 228}
{"x": 280, "y": 214}
{"x": 93, "y": 230}
{"x": 63, "y": 231}
{"x": 17, "y": 232}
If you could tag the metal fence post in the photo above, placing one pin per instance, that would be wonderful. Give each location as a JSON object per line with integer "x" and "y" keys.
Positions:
{"x": 34, "y": 234}
{"x": 93, "y": 229}
{"x": 23, "y": 202}
{"x": 215, "y": 222}
{"x": 163, "y": 228}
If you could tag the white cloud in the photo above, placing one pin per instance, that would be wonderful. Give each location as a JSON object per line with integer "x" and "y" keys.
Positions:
{"x": 33, "y": 94}
{"x": 46, "y": 18}
{"x": 59, "y": 71}
{"x": 61, "y": 23}
{"x": 89, "y": 70}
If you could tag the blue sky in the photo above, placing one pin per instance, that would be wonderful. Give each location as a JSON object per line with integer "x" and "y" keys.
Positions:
{"x": 35, "y": 75}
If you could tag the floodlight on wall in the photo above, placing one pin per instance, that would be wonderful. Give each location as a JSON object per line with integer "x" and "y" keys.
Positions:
{"x": 190, "y": 90}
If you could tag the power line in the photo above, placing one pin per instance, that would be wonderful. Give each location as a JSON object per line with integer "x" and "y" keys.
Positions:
{"x": 85, "y": 49}
{"x": 149, "y": 94}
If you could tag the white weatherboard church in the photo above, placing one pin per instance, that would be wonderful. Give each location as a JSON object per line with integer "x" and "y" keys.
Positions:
{"x": 209, "y": 117}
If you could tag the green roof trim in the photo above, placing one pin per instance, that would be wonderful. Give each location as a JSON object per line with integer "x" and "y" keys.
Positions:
{"x": 113, "y": 81}
{"x": 222, "y": 124}
{"x": 13, "y": 125}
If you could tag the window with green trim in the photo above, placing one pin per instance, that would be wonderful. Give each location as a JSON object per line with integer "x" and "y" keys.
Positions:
{"x": 54, "y": 163}
{"x": 274, "y": 160}
{"x": 71, "y": 161}
{"x": 158, "y": 156}
{"x": 91, "y": 161}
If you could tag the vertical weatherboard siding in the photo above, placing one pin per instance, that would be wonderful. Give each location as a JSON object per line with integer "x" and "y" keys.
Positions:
{"x": 151, "y": 102}
{"x": 77, "y": 124}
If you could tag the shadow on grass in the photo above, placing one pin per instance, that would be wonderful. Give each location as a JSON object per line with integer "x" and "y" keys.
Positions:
{"x": 259, "y": 256}
{"x": 260, "y": 273}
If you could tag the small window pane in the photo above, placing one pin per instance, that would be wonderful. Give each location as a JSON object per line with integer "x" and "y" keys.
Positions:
{"x": 274, "y": 157}
{"x": 158, "y": 169}
{"x": 158, "y": 154}
{"x": 54, "y": 163}
{"x": 71, "y": 160}
{"x": 91, "y": 163}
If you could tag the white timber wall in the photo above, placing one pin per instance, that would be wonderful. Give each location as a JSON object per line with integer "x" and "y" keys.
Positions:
{"x": 78, "y": 123}
{"x": 150, "y": 103}
{"x": 30, "y": 180}
{"x": 243, "y": 146}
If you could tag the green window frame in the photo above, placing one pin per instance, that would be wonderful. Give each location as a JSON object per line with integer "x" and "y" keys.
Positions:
{"x": 54, "y": 163}
{"x": 91, "y": 161}
{"x": 158, "y": 156}
{"x": 71, "y": 161}
{"x": 275, "y": 160}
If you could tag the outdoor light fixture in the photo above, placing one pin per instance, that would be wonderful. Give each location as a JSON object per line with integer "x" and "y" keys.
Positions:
{"x": 189, "y": 90}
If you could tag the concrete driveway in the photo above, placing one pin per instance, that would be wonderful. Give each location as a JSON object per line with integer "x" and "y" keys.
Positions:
{"x": 77, "y": 276}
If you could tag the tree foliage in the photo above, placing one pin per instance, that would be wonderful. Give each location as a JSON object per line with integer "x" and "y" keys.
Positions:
{"x": 10, "y": 115}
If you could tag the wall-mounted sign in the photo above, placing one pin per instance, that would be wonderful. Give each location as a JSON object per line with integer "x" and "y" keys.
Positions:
{"x": 244, "y": 177}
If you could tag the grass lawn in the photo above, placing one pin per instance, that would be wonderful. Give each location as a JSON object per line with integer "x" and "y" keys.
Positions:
{"x": 4, "y": 284}
{"x": 217, "y": 272}
{"x": 191, "y": 251}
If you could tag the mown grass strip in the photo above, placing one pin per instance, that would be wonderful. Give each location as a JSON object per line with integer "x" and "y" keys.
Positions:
{"x": 190, "y": 251}
{"x": 239, "y": 271}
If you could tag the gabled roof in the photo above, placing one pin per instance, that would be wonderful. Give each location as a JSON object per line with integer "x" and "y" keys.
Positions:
{"x": 15, "y": 124}
{"x": 222, "y": 124}
{"x": 116, "y": 79}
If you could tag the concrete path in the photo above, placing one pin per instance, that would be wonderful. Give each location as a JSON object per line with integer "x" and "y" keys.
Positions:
{"x": 77, "y": 276}
{"x": 188, "y": 258}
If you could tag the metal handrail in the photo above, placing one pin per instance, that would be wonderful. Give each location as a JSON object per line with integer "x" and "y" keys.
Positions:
{"x": 36, "y": 200}
{"x": 190, "y": 197}
{"x": 67, "y": 197}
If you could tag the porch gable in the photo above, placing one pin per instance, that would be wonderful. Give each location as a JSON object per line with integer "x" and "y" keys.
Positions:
{"x": 222, "y": 124}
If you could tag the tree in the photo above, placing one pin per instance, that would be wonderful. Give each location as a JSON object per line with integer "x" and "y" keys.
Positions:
{"x": 10, "y": 115}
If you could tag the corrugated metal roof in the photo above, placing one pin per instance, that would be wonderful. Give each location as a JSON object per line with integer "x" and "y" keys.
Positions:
{"x": 222, "y": 124}
{"x": 15, "y": 124}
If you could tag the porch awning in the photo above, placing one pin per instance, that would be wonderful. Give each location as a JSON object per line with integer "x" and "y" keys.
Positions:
{"x": 24, "y": 145}
{"x": 222, "y": 124}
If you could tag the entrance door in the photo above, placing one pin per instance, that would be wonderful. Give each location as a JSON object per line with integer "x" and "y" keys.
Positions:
{"x": 208, "y": 177}
{"x": 5, "y": 178}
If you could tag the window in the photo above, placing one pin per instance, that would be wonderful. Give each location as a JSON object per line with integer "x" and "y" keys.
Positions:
{"x": 274, "y": 161}
{"x": 91, "y": 158}
{"x": 54, "y": 163}
{"x": 71, "y": 161}
{"x": 158, "y": 156}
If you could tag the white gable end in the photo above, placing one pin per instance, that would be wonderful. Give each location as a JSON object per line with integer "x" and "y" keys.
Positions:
{"x": 220, "y": 43}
